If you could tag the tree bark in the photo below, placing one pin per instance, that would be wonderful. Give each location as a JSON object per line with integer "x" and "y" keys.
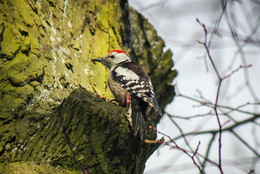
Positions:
{"x": 51, "y": 116}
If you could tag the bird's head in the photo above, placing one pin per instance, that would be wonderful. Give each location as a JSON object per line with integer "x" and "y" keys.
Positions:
{"x": 113, "y": 58}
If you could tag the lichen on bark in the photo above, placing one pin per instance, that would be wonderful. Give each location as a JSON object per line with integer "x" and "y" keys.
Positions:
{"x": 49, "y": 110}
{"x": 32, "y": 168}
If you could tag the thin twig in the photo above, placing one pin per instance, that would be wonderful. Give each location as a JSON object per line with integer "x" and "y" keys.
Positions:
{"x": 185, "y": 140}
{"x": 215, "y": 131}
{"x": 246, "y": 144}
{"x": 187, "y": 152}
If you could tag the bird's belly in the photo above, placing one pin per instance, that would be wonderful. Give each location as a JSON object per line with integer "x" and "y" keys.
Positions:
{"x": 118, "y": 92}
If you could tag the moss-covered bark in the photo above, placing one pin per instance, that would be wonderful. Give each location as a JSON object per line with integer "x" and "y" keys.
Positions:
{"x": 45, "y": 115}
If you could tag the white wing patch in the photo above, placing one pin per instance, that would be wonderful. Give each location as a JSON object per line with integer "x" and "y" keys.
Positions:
{"x": 127, "y": 74}
{"x": 138, "y": 86}
{"x": 129, "y": 80}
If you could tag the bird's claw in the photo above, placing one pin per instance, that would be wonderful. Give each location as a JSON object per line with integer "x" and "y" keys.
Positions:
{"x": 108, "y": 100}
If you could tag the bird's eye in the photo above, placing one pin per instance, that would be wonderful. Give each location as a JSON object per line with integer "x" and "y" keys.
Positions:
{"x": 112, "y": 56}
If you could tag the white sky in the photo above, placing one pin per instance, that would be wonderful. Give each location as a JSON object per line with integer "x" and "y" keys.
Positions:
{"x": 175, "y": 22}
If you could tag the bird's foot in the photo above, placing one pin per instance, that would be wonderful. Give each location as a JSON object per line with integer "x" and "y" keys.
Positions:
{"x": 108, "y": 100}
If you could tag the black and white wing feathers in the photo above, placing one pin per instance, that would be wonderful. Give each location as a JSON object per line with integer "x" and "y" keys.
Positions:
{"x": 135, "y": 80}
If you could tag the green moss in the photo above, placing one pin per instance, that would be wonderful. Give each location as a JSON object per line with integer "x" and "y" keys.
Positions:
{"x": 102, "y": 17}
{"x": 165, "y": 65}
{"x": 35, "y": 45}
{"x": 18, "y": 65}
{"x": 22, "y": 12}
{"x": 10, "y": 44}
{"x": 15, "y": 69}
{"x": 9, "y": 102}
{"x": 47, "y": 51}
{"x": 113, "y": 42}
{"x": 12, "y": 100}
{"x": 21, "y": 71}
{"x": 31, "y": 168}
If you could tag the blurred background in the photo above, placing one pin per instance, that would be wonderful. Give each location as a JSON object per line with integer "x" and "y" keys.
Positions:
{"x": 233, "y": 43}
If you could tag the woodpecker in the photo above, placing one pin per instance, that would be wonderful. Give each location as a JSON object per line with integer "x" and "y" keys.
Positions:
{"x": 131, "y": 87}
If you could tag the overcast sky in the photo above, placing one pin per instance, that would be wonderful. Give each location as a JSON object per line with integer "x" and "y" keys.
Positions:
{"x": 175, "y": 22}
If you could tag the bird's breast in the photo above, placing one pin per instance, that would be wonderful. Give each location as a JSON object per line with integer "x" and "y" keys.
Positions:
{"x": 118, "y": 91}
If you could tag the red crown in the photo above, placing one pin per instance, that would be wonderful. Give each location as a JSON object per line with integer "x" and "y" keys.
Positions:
{"x": 118, "y": 51}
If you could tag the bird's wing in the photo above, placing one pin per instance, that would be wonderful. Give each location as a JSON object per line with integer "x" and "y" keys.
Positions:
{"x": 134, "y": 79}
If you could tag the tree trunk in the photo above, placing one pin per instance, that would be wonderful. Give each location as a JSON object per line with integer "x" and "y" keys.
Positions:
{"x": 52, "y": 119}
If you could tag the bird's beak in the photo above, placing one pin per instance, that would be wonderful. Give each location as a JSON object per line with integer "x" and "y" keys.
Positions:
{"x": 97, "y": 60}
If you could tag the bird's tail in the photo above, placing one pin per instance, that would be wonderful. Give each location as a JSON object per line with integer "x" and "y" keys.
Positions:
{"x": 137, "y": 118}
{"x": 157, "y": 107}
